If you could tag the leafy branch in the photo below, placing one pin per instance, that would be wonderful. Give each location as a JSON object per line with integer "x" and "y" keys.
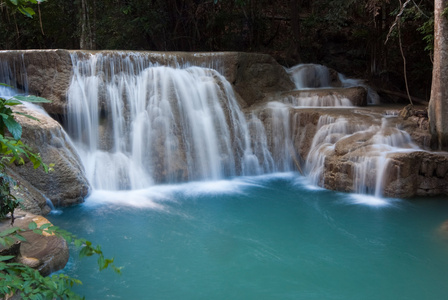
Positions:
{"x": 15, "y": 277}
{"x": 12, "y": 149}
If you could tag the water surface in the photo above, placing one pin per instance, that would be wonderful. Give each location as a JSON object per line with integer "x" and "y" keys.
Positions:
{"x": 266, "y": 237}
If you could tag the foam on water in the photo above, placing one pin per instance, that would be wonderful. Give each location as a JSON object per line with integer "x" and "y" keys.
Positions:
{"x": 154, "y": 196}
{"x": 369, "y": 200}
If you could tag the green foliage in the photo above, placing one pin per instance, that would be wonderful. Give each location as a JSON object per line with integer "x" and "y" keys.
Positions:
{"x": 23, "y": 7}
{"x": 18, "y": 278}
{"x": 13, "y": 150}
{"x": 427, "y": 30}
{"x": 10, "y": 236}
{"x": 14, "y": 276}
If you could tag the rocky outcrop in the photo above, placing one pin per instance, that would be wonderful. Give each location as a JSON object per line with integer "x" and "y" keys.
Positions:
{"x": 417, "y": 174}
{"x": 364, "y": 149}
{"x": 45, "y": 73}
{"x": 66, "y": 184}
{"x": 257, "y": 75}
{"x": 43, "y": 252}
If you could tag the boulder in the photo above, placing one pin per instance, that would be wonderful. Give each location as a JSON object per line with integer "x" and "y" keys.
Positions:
{"x": 256, "y": 75}
{"x": 67, "y": 183}
{"x": 45, "y": 253}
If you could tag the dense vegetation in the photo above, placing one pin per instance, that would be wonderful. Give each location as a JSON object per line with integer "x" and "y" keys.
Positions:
{"x": 346, "y": 35}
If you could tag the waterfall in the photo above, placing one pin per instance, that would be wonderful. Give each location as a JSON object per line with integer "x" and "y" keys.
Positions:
{"x": 306, "y": 76}
{"x": 336, "y": 137}
{"x": 315, "y": 76}
{"x": 7, "y": 76}
{"x": 139, "y": 119}
{"x": 136, "y": 123}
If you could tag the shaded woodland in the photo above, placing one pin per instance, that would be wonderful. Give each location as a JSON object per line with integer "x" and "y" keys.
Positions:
{"x": 348, "y": 36}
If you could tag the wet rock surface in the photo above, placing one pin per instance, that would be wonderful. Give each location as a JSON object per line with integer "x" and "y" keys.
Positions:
{"x": 66, "y": 184}
{"x": 47, "y": 74}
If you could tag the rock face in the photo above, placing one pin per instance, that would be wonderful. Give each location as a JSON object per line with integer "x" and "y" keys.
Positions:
{"x": 47, "y": 74}
{"x": 64, "y": 186}
{"x": 46, "y": 253}
{"x": 417, "y": 173}
{"x": 257, "y": 75}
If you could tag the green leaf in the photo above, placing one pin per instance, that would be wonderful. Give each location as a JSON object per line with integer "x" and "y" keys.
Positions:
{"x": 45, "y": 226}
{"x": 13, "y": 127}
{"x": 12, "y": 102}
{"x": 33, "y": 99}
{"x": 9, "y": 231}
{"x": 27, "y": 11}
{"x": 32, "y": 225}
{"x": 7, "y": 257}
{"x": 38, "y": 231}
{"x": 4, "y": 84}
{"x": 28, "y": 116}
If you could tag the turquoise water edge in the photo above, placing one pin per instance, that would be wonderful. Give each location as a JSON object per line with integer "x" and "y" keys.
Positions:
{"x": 265, "y": 237}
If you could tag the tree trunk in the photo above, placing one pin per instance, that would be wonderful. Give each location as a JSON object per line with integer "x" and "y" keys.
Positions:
{"x": 87, "y": 38}
{"x": 438, "y": 105}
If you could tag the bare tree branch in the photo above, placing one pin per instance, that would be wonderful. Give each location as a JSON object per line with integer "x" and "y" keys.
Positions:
{"x": 397, "y": 19}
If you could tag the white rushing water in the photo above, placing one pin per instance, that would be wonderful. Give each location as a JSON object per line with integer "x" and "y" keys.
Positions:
{"x": 136, "y": 123}
{"x": 315, "y": 76}
{"x": 143, "y": 123}
{"x": 369, "y": 161}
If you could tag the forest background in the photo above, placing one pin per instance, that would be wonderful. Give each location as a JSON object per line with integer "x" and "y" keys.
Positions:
{"x": 347, "y": 35}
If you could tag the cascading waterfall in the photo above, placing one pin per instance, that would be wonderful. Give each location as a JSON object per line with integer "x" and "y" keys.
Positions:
{"x": 315, "y": 76}
{"x": 143, "y": 123}
{"x": 136, "y": 123}
{"x": 370, "y": 161}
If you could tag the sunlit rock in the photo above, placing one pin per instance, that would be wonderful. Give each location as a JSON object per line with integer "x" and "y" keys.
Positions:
{"x": 45, "y": 253}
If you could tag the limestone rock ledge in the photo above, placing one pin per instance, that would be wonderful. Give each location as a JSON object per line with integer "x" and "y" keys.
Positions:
{"x": 47, "y": 73}
{"x": 343, "y": 149}
{"x": 45, "y": 253}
